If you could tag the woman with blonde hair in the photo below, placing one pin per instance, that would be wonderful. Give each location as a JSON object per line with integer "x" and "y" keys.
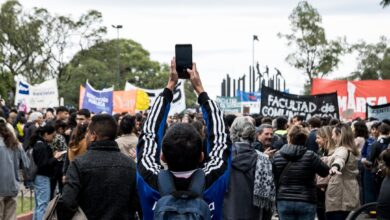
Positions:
{"x": 327, "y": 146}
{"x": 325, "y": 142}
{"x": 342, "y": 194}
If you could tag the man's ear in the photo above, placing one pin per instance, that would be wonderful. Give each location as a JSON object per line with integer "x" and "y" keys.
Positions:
{"x": 201, "y": 158}
{"x": 162, "y": 158}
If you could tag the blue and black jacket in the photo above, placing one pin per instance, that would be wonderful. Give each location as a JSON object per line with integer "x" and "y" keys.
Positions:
{"x": 216, "y": 165}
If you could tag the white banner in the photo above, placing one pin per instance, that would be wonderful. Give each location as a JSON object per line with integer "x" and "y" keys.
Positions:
{"x": 179, "y": 99}
{"x": 42, "y": 95}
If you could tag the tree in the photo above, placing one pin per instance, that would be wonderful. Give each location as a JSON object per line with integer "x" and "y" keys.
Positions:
{"x": 35, "y": 44}
{"x": 385, "y": 3}
{"x": 98, "y": 64}
{"x": 373, "y": 60}
{"x": 315, "y": 55}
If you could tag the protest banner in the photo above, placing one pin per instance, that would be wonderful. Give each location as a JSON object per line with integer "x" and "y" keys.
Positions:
{"x": 275, "y": 103}
{"x": 179, "y": 100}
{"x": 124, "y": 101}
{"x": 22, "y": 93}
{"x": 229, "y": 104}
{"x": 43, "y": 95}
{"x": 379, "y": 112}
{"x": 98, "y": 100}
{"x": 354, "y": 95}
{"x": 248, "y": 96}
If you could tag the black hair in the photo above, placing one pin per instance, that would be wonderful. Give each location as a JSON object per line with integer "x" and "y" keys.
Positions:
{"x": 334, "y": 121}
{"x": 39, "y": 132}
{"x": 72, "y": 120}
{"x": 182, "y": 147}
{"x": 84, "y": 112}
{"x": 50, "y": 110}
{"x": 314, "y": 122}
{"x": 361, "y": 129}
{"x": 386, "y": 121}
{"x": 257, "y": 118}
{"x": 104, "y": 126}
{"x": 281, "y": 123}
{"x": 198, "y": 125}
{"x": 228, "y": 119}
{"x": 384, "y": 129}
{"x": 376, "y": 125}
{"x": 116, "y": 117}
{"x": 266, "y": 120}
{"x": 62, "y": 109}
{"x": 299, "y": 117}
{"x": 127, "y": 125}
{"x": 60, "y": 124}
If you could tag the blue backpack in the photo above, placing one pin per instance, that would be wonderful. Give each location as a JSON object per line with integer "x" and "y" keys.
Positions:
{"x": 177, "y": 205}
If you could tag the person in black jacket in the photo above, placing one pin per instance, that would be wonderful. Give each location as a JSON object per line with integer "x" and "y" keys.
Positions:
{"x": 101, "y": 181}
{"x": 383, "y": 207}
{"x": 295, "y": 168}
{"x": 46, "y": 160}
{"x": 251, "y": 191}
{"x": 376, "y": 149}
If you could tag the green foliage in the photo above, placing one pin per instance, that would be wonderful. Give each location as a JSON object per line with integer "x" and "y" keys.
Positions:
{"x": 35, "y": 43}
{"x": 385, "y": 3}
{"x": 98, "y": 65}
{"x": 314, "y": 55}
{"x": 373, "y": 60}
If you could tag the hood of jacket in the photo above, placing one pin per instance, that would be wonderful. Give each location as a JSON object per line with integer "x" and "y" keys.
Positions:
{"x": 292, "y": 152}
{"x": 244, "y": 156}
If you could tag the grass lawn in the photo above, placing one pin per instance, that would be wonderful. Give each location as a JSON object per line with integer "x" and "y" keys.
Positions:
{"x": 27, "y": 203}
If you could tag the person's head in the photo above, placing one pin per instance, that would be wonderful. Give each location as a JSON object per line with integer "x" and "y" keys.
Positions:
{"x": 343, "y": 137}
{"x": 49, "y": 115}
{"x": 243, "y": 130}
{"x": 384, "y": 129}
{"x": 265, "y": 134}
{"x": 45, "y": 133}
{"x": 386, "y": 160}
{"x": 374, "y": 130}
{"x": 324, "y": 139}
{"x": 60, "y": 126}
{"x": 297, "y": 135}
{"x": 138, "y": 121}
{"x": 11, "y": 117}
{"x": 199, "y": 126}
{"x": 257, "y": 118}
{"x": 228, "y": 119}
{"x": 62, "y": 113}
{"x": 8, "y": 137}
{"x": 127, "y": 125}
{"x": 297, "y": 119}
{"x": 281, "y": 123}
{"x": 78, "y": 134}
{"x": 36, "y": 117}
{"x": 334, "y": 122}
{"x": 186, "y": 119}
{"x": 314, "y": 122}
{"x": 102, "y": 127}
{"x": 83, "y": 116}
{"x": 182, "y": 148}
{"x": 266, "y": 120}
{"x": 360, "y": 129}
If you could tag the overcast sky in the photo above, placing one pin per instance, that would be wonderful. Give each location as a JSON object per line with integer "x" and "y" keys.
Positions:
{"x": 221, "y": 30}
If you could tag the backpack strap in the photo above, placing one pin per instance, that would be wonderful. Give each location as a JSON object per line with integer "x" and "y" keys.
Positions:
{"x": 165, "y": 182}
{"x": 198, "y": 182}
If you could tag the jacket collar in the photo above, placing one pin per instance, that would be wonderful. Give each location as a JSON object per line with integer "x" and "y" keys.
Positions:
{"x": 105, "y": 145}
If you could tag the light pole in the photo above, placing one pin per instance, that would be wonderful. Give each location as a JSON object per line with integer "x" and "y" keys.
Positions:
{"x": 117, "y": 27}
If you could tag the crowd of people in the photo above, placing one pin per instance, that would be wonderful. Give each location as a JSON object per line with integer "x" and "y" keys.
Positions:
{"x": 154, "y": 166}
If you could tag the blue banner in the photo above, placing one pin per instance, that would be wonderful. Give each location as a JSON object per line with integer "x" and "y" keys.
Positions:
{"x": 98, "y": 101}
{"x": 248, "y": 96}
